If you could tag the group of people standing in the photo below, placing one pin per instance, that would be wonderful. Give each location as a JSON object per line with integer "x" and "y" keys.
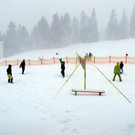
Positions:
{"x": 118, "y": 69}
{"x": 89, "y": 56}
{"x": 9, "y": 71}
{"x": 22, "y": 65}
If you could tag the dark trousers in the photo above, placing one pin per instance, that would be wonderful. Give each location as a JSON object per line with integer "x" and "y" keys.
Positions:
{"x": 23, "y": 69}
{"x": 63, "y": 72}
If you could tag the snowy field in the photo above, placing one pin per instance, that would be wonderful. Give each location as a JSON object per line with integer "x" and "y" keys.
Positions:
{"x": 28, "y": 106}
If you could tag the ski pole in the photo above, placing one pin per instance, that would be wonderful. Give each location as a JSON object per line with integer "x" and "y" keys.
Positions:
{"x": 66, "y": 81}
{"x": 113, "y": 85}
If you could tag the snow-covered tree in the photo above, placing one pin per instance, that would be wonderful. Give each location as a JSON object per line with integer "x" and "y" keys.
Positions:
{"x": 89, "y": 28}
{"x": 123, "y": 27}
{"x": 132, "y": 24}
{"x": 56, "y": 33}
{"x": 112, "y": 27}
{"x": 40, "y": 34}
{"x": 75, "y": 30}
{"x": 10, "y": 43}
{"x": 23, "y": 39}
{"x": 84, "y": 28}
{"x": 93, "y": 28}
{"x": 65, "y": 24}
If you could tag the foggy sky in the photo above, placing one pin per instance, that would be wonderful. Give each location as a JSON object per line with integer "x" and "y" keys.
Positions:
{"x": 28, "y": 12}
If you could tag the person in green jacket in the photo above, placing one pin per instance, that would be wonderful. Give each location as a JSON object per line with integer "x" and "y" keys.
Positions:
{"x": 117, "y": 72}
{"x": 62, "y": 67}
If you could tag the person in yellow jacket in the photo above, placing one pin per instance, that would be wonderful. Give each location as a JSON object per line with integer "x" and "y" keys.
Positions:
{"x": 117, "y": 72}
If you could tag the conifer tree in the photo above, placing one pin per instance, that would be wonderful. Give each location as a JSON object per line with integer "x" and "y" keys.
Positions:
{"x": 93, "y": 28}
{"x": 123, "y": 27}
{"x": 56, "y": 33}
{"x": 40, "y": 34}
{"x": 112, "y": 27}
{"x": 132, "y": 24}
{"x": 75, "y": 30}
{"x": 23, "y": 39}
{"x": 10, "y": 43}
{"x": 84, "y": 28}
{"x": 65, "y": 24}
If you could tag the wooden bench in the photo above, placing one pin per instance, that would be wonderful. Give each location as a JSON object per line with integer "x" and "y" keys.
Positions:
{"x": 89, "y": 91}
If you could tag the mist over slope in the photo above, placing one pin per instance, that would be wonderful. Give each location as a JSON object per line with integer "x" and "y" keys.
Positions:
{"x": 102, "y": 48}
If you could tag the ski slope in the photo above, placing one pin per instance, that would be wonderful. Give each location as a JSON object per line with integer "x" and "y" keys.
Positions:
{"x": 28, "y": 106}
{"x": 102, "y": 48}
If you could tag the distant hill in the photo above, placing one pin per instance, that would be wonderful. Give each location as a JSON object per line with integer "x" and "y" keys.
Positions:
{"x": 103, "y": 48}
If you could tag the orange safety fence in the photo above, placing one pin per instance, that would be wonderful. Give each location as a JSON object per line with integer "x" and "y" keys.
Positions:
{"x": 131, "y": 60}
{"x": 100, "y": 60}
{"x": 72, "y": 60}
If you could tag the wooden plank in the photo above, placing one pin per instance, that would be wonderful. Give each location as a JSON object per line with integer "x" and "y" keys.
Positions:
{"x": 89, "y": 91}
{"x": 92, "y": 91}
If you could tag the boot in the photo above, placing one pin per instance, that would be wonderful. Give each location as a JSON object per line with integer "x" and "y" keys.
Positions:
{"x": 11, "y": 80}
{"x": 8, "y": 80}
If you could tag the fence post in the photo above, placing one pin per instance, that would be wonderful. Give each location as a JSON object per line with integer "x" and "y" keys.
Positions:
{"x": 17, "y": 62}
{"x": 41, "y": 61}
{"x": 5, "y": 62}
{"x": 109, "y": 59}
{"x": 54, "y": 60}
{"x": 94, "y": 59}
{"x": 126, "y": 59}
{"x": 67, "y": 59}
{"x": 29, "y": 62}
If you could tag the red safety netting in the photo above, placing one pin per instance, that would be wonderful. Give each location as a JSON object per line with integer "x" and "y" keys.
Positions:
{"x": 71, "y": 60}
{"x": 130, "y": 60}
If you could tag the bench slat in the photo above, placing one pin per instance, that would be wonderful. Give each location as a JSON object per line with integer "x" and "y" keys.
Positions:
{"x": 89, "y": 91}
{"x": 92, "y": 91}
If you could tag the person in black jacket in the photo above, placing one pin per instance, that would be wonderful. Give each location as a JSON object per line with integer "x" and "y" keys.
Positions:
{"x": 121, "y": 67}
{"x": 62, "y": 67}
{"x": 9, "y": 74}
{"x": 22, "y": 65}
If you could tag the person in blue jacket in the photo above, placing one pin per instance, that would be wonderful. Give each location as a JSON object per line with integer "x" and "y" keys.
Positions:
{"x": 121, "y": 67}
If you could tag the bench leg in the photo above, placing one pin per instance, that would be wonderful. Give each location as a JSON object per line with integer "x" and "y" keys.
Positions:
{"x": 100, "y": 93}
{"x": 75, "y": 93}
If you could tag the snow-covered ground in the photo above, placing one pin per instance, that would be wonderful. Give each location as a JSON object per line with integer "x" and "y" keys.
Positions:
{"x": 28, "y": 106}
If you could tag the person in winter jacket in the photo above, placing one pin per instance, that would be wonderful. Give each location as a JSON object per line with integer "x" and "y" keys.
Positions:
{"x": 62, "y": 67}
{"x": 87, "y": 56}
{"x": 121, "y": 67}
{"x": 9, "y": 74}
{"x": 90, "y": 56}
{"x": 117, "y": 72}
{"x": 22, "y": 65}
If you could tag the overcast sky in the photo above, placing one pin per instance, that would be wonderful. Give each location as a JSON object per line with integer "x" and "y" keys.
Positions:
{"x": 28, "y": 12}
